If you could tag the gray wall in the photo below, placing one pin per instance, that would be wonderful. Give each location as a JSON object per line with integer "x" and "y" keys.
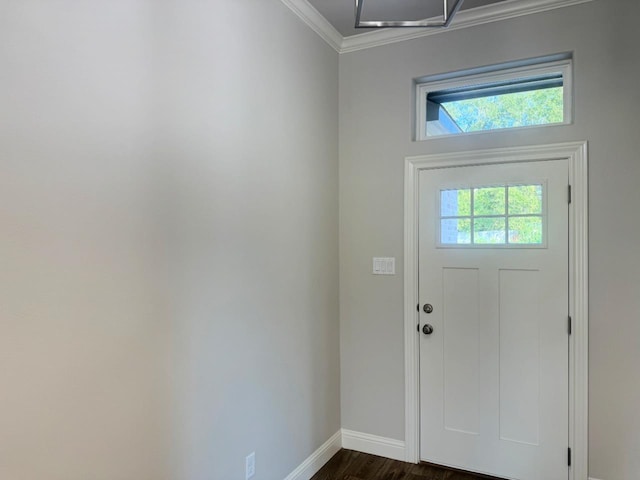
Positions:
{"x": 169, "y": 246}
{"x": 251, "y": 156}
{"x": 375, "y": 136}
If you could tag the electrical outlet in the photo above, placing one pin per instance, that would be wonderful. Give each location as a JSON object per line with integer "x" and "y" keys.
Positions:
{"x": 250, "y": 465}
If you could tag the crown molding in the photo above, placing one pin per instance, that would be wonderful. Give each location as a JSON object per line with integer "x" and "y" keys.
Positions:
{"x": 464, "y": 19}
{"x": 309, "y": 15}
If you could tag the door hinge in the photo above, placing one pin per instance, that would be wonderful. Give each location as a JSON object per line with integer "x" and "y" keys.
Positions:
{"x": 569, "y": 325}
{"x": 569, "y": 193}
{"x": 569, "y": 456}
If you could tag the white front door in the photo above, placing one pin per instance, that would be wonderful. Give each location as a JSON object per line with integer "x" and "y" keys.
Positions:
{"x": 493, "y": 255}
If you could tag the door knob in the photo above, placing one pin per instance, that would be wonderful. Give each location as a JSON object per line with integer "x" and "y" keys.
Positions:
{"x": 427, "y": 329}
{"x": 428, "y": 308}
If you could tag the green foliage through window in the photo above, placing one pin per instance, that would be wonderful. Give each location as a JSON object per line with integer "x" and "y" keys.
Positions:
{"x": 493, "y": 215}
{"x": 521, "y": 109}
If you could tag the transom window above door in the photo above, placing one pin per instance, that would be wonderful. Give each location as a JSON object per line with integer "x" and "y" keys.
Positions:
{"x": 523, "y": 94}
{"x": 493, "y": 216}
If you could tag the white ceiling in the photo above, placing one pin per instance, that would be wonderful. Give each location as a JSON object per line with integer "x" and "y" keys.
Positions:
{"x": 340, "y": 13}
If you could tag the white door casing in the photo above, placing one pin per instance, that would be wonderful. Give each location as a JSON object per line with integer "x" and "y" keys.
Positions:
{"x": 575, "y": 155}
{"x": 493, "y": 369}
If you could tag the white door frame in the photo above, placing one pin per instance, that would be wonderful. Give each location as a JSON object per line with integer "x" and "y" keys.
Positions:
{"x": 576, "y": 154}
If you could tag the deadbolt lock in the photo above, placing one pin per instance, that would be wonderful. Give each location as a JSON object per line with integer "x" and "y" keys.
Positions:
{"x": 428, "y": 308}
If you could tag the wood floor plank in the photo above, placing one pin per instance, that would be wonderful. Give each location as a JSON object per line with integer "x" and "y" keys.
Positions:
{"x": 350, "y": 465}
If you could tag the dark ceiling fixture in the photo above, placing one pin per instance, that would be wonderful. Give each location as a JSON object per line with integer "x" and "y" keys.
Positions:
{"x": 447, "y": 16}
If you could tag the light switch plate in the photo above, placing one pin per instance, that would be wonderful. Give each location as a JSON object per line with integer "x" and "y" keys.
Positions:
{"x": 384, "y": 266}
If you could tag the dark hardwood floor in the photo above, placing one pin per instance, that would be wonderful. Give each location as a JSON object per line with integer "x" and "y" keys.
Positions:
{"x": 350, "y": 465}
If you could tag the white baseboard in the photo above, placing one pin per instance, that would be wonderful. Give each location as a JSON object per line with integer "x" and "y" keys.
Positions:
{"x": 317, "y": 459}
{"x": 350, "y": 440}
{"x": 366, "y": 443}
